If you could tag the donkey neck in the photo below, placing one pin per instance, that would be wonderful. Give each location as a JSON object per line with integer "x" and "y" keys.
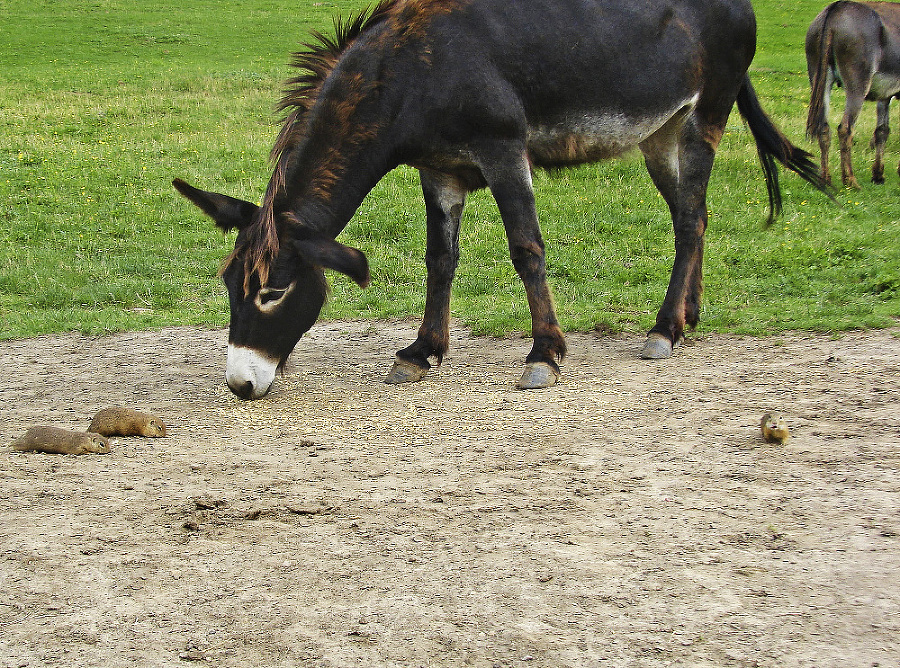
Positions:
{"x": 345, "y": 151}
{"x": 325, "y": 197}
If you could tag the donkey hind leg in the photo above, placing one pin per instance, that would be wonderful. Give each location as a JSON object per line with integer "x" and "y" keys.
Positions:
{"x": 445, "y": 197}
{"x": 856, "y": 85}
{"x": 508, "y": 174}
{"x": 879, "y": 139}
{"x": 661, "y": 159}
{"x": 824, "y": 132}
{"x": 845, "y": 136}
{"x": 680, "y": 165}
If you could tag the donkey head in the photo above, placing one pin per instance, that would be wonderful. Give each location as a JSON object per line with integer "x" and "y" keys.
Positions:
{"x": 268, "y": 320}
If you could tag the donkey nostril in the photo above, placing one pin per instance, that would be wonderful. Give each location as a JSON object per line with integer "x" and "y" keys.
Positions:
{"x": 249, "y": 373}
{"x": 244, "y": 390}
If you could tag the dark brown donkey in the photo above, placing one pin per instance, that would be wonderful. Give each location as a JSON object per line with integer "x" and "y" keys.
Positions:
{"x": 856, "y": 44}
{"x": 476, "y": 93}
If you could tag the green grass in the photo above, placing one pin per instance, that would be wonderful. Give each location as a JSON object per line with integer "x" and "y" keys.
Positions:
{"x": 103, "y": 102}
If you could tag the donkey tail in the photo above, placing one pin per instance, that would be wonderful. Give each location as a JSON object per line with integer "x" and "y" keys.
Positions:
{"x": 772, "y": 145}
{"x": 815, "y": 119}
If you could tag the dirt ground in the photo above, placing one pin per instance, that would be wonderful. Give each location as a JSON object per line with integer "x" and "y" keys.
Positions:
{"x": 630, "y": 516}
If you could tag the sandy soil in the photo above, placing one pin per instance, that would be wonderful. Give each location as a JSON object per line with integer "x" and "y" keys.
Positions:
{"x": 630, "y": 516}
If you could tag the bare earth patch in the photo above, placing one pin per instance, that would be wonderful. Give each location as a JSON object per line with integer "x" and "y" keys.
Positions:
{"x": 630, "y": 516}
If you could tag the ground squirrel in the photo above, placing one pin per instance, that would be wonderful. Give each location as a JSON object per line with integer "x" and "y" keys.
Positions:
{"x": 61, "y": 442}
{"x": 774, "y": 429}
{"x": 118, "y": 421}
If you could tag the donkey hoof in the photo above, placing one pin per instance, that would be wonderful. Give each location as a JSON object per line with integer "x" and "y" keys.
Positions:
{"x": 405, "y": 372}
{"x": 537, "y": 375}
{"x": 656, "y": 347}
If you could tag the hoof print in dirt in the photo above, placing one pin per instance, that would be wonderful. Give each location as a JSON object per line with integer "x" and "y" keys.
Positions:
{"x": 207, "y": 502}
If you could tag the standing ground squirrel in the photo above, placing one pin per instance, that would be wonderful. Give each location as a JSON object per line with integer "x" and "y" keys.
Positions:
{"x": 774, "y": 429}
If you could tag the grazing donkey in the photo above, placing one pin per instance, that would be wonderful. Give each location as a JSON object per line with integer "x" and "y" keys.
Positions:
{"x": 856, "y": 44}
{"x": 477, "y": 93}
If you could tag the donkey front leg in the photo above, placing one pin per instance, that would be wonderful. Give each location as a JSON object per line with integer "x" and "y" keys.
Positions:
{"x": 509, "y": 177}
{"x": 445, "y": 197}
{"x": 898, "y": 164}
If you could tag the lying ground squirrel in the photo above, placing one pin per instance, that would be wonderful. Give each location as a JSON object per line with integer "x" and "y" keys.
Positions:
{"x": 58, "y": 441}
{"x": 118, "y": 421}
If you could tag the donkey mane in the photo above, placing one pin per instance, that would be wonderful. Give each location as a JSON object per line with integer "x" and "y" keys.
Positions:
{"x": 315, "y": 61}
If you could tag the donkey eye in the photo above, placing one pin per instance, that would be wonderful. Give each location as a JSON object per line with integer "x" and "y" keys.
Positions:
{"x": 267, "y": 295}
{"x": 268, "y": 299}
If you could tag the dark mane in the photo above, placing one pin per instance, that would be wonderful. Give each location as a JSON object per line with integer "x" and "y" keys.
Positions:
{"x": 315, "y": 61}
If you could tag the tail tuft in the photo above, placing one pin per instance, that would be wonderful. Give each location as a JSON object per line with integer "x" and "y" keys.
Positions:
{"x": 772, "y": 145}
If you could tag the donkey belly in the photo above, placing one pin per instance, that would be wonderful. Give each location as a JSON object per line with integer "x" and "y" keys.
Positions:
{"x": 596, "y": 136}
{"x": 883, "y": 86}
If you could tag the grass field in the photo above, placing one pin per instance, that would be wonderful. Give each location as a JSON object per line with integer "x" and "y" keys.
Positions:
{"x": 103, "y": 102}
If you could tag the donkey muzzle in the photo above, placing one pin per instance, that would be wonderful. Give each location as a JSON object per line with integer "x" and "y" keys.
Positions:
{"x": 248, "y": 373}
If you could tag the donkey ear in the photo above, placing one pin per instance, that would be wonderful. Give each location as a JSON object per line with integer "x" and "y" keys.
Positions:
{"x": 227, "y": 212}
{"x": 328, "y": 253}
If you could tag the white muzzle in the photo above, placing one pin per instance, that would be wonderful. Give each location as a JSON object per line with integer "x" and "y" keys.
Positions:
{"x": 248, "y": 373}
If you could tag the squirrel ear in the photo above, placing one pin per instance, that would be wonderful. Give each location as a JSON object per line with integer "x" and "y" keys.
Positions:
{"x": 330, "y": 254}
{"x": 227, "y": 212}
